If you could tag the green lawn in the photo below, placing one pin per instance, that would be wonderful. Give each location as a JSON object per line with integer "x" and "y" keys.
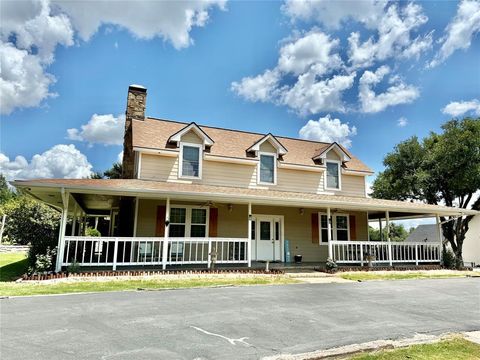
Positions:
{"x": 365, "y": 276}
{"x": 12, "y": 266}
{"x": 458, "y": 349}
{"x": 19, "y": 289}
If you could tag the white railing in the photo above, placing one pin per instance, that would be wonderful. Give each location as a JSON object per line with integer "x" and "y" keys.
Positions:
{"x": 359, "y": 252}
{"x": 129, "y": 251}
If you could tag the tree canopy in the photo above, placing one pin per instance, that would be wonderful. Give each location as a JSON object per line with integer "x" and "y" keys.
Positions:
{"x": 115, "y": 172}
{"x": 441, "y": 169}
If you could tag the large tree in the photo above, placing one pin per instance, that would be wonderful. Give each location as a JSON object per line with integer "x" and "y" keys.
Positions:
{"x": 115, "y": 172}
{"x": 442, "y": 169}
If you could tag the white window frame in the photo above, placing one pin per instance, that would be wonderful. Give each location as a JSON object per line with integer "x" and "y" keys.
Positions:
{"x": 274, "y": 155}
{"x": 334, "y": 227}
{"x": 200, "y": 161}
{"x": 339, "y": 167}
{"x": 188, "y": 219}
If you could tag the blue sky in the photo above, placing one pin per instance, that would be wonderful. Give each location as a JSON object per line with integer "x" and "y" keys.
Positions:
{"x": 213, "y": 71}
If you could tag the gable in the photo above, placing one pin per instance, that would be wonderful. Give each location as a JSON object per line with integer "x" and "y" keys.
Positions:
{"x": 332, "y": 155}
{"x": 191, "y": 137}
{"x": 267, "y": 146}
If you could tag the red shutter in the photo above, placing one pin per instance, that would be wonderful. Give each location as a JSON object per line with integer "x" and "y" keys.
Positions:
{"x": 213, "y": 222}
{"x": 353, "y": 227}
{"x": 315, "y": 235}
{"x": 160, "y": 228}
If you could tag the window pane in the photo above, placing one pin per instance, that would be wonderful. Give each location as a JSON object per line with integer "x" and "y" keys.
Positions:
{"x": 324, "y": 223}
{"x": 332, "y": 175}
{"x": 265, "y": 230}
{"x": 199, "y": 216}
{"x": 177, "y": 215}
{"x": 267, "y": 164}
{"x": 253, "y": 229}
{"x": 191, "y": 160}
{"x": 342, "y": 234}
{"x": 324, "y": 235}
{"x": 177, "y": 230}
{"x": 198, "y": 231}
{"x": 342, "y": 222}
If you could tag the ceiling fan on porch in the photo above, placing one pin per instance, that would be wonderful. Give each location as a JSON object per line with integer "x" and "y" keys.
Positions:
{"x": 216, "y": 205}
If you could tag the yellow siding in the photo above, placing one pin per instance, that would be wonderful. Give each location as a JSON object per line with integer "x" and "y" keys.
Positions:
{"x": 266, "y": 146}
{"x": 332, "y": 155}
{"x": 352, "y": 186}
{"x": 191, "y": 137}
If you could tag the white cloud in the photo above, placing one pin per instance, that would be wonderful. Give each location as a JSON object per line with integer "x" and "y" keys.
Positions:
{"x": 38, "y": 27}
{"x": 326, "y": 129}
{"x": 397, "y": 93}
{"x": 100, "y": 129}
{"x": 169, "y": 20}
{"x": 61, "y": 161}
{"x": 120, "y": 157}
{"x": 305, "y": 60}
{"x": 402, "y": 122}
{"x": 394, "y": 37}
{"x": 458, "y": 108}
{"x": 333, "y": 13}
{"x": 460, "y": 31}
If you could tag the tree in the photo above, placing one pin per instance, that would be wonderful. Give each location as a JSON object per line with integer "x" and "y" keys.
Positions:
{"x": 397, "y": 233}
{"x": 115, "y": 172}
{"x": 441, "y": 169}
{"x": 5, "y": 192}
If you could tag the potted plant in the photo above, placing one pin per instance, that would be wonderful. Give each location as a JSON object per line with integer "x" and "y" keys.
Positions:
{"x": 370, "y": 258}
{"x": 331, "y": 265}
{"x": 298, "y": 259}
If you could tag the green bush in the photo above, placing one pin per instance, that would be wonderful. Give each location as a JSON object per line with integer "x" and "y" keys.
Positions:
{"x": 89, "y": 231}
{"x": 74, "y": 268}
{"x": 45, "y": 262}
{"x": 331, "y": 265}
{"x": 449, "y": 260}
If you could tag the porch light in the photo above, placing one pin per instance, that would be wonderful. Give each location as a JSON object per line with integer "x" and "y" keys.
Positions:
{"x": 230, "y": 207}
{"x": 301, "y": 211}
{"x": 250, "y": 217}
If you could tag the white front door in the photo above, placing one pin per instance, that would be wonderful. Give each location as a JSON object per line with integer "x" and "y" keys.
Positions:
{"x": 268, "y": 238}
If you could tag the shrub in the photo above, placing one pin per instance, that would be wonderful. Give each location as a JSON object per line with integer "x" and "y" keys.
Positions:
{"x": 449, "y": 260}
{"x": 74, "y": 268}
{"x": 331, "y": 265}
{"x": 44, "y": 262}
{"x": 89, "y": 231}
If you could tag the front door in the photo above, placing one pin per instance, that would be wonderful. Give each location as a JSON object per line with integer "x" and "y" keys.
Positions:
{"x": 268, "y": 238}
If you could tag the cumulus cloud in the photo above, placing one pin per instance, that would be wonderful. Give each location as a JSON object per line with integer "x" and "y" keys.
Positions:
{"x": 460, "y": 31}
{"x": 459, "y": 108}
{"x": 333, "y": 13}
{"x": 31, "y": 31}
{"x": 397, "y": 93}
{"x": 402, "y": 122}
{"x": 326, "y": 129}
{"x": 61, "y": 161}
{"x": 309, "y": 60}
{"x": 120, "y": 157}
{"x": 100, "y": 129}
{"x": 393, "y": 39}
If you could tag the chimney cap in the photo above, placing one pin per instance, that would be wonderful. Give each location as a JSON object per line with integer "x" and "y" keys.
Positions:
{"x": 137, "y": 87}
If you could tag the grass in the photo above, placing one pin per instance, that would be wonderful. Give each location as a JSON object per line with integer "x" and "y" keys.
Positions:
{"x": 457, "y": 348}
{"x": 12, "y": 266}
{"x": 366, "y": 276}
{"x": 20, "y": 289}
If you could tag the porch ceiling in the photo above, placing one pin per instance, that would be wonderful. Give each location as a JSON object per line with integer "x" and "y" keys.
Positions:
{"x": 98, "y": 193}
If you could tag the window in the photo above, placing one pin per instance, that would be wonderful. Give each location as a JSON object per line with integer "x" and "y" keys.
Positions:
{"x": 265, "y": 228}
{"x": 267, "y": 169}
{"x": 188, "y": 222}
{"x": 333, "y": 175}
{"x": 340, "y": 228}
{"x": 191, "y": 166}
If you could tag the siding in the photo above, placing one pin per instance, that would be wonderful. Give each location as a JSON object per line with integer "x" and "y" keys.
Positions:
{"x": 191, "y": 137}
{"x": 163, "y": 168}
{"x": 297, "y": 227}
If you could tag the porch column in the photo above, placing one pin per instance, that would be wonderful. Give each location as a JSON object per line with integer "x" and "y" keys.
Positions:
{"x": 74, "y": 221}
{"x": 439, "y": 233}
{"x": 96, "y": 222}
{"x": 165, "y": 236}
{"x": 329, "y": 235}
{"x": 380, "y": 226}
{"x": 61, "y": 232}
{"x": 249, "y": 251}
{"x": 387, "y": 220}
{"x": 135, "y": 220}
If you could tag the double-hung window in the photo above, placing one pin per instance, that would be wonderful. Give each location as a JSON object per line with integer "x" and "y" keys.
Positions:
{"x": 188, "y": 222}
{"x": 333, "y": 180}
{"x": 267, "y": 169}
{"x": 191, "y": 161}
{"x": 340, "y": 229}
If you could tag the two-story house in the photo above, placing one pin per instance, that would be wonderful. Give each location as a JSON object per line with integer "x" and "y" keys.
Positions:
{"x": 194, "y": 194}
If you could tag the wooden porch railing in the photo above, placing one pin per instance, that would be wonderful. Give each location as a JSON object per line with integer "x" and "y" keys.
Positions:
{"x": 134, "y": 251}
{"x": 359, "y": 252}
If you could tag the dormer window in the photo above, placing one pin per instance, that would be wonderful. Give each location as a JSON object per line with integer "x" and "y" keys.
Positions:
{"x": 267, "y": 169}
{"x": 333, "y": 180}
{"x": 191, "y": 161}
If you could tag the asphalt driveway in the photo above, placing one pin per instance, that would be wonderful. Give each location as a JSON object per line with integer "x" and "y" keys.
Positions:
{"x": 233, "y": 323}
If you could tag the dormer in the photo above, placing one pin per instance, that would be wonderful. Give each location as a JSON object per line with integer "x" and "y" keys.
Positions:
{"x": 268, "y": 149}
{"x": 332, "y": 157}
{"x": 192, "y": 141}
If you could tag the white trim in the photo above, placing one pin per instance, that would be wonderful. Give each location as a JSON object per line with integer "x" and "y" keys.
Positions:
{"x": 274, "y": 156}
{"x": 301, "y": 167}
{"x": 188, "y": 219}
{"x": 356, "y": 172}
{"x": 163, "y": 152}
{"x": 139, "y": 169}
{"x": 135, "y": 220}
{"x": 335, "y": 147}
{"x": 272, "y": 218}
{"x": 200, "y": 161}
{"x": 333, "y": 226}
{"x": 231, "y": 160}
{"x": 281, "y": 150}
{"x": 339, "y": 167}
{"x": 195, "y": 128}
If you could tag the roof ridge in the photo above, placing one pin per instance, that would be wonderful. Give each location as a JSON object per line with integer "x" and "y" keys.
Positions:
{"x": 240, "y": 131}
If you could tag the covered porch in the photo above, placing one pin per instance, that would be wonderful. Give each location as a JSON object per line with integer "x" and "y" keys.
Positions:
{"x": 169, "y": 225}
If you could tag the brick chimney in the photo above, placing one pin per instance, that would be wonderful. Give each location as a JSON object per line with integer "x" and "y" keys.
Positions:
{"x": 136, "y": 100}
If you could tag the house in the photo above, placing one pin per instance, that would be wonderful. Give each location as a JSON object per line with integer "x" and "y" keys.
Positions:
{"x": 427, "y": 233}
{"x": 471, "y": 244}
{"x": 193, "y": 195}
